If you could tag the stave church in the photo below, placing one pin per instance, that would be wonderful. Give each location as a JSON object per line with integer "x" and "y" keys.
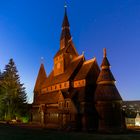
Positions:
{"x": 77, "y": 94}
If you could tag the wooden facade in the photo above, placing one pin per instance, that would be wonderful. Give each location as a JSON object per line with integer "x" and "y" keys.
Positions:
{"x": 68, "y": 97}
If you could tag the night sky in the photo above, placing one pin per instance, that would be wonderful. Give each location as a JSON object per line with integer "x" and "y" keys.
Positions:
{"x": 30, "y": 29}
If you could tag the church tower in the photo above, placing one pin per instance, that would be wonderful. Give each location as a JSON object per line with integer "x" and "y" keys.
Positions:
{"x": 108, "y": 100}
{"x": 67, "y": 51}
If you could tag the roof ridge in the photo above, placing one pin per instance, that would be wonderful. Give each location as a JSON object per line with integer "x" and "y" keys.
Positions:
{"x": 78, "y": 57}
{"x": 89, "y": 61}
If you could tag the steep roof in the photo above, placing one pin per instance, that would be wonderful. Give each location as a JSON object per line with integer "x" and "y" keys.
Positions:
{"x": 65, "y": 49}
{"x": 65, "y": 20}
{"x": 85, "y": 69}
{"x": 106, "y": 89}
{"x": 105, "y": 75}
{"x": 75, "y": 64}
{"x": 49, "y": 98}
{"x": 105, "y": 62}
{"x": 107, "y": 93}
{"x": 40, "y": 78}
{"x": 65, "y": 34}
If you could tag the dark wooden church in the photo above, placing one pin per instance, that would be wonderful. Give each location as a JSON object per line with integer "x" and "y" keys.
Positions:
{"x": 77, "y": 94}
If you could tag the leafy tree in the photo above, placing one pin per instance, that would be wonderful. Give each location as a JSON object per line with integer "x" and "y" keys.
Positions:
{"x": 14, "y": 98}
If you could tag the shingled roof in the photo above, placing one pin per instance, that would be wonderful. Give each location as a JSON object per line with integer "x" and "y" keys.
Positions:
{"x": 49, "y": 98}
{"x": 51, "y": 80}
{"x": 106, "y": 75}
{"x": 40, "y": 78}
{"x": 105, "y": 62}
{"x": 84, "y": 69}
{"x": 65, "y": 34}
{"x": 107, "y": 93}
{"x": 65, "y": 20}
{"x": 65, "y": 49}
{"x": 106, "y": 89}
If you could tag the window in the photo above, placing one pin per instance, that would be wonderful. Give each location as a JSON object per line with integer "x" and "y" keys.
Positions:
{"x": 58, "y": 65}
{"x": 67, "y": 104}
{"x": 79, "y": 83}
{"x": 65, "y": 84}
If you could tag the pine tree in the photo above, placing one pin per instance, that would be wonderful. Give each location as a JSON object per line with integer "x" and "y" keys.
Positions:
{"x": 1, "y": 97}
{"x": 14, "y": 99}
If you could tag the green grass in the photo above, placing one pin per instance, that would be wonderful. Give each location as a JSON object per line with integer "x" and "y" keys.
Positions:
{"x": 8, "y": 132}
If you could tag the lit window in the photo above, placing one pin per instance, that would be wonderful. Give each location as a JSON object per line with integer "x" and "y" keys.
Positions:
{"x": 65, "y": 84}
{"x": 79, "y": 83}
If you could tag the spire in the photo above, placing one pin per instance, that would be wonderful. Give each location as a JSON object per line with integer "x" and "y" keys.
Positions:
{"x": 105, "y": 63}
{"x": 65, "y": 38}
{"x": 65, "y": 21}
{"x": 105, "y": 74}
{"x": 106, "y": 89}
{"x": 40, "y": 78}
{"x": 104, "y": 50}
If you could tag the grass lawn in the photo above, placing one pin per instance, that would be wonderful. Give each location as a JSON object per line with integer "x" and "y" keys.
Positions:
{"x": 10, "y": 132}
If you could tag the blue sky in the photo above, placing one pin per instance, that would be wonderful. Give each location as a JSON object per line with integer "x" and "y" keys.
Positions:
{"x": 30, "y": 29}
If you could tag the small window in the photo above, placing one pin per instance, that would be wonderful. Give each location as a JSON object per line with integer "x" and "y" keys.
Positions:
{"x": 65, "y": 84}
{"x": 67, "y": 104}
{"x": 60, "y": 85}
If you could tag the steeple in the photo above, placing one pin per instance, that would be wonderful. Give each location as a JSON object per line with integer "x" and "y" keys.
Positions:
{"x": 106, "y": 75}
{"x": 40, "y": 78}
{"x": 106, "y": 89}
{"x": 108, "y": 100}
{"x": 65, "y": 34}
{"x": 105, "y": 63}
{"x": 65, "y": 23}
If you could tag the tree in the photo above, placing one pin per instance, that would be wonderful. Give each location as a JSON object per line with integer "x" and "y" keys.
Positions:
{"x": 1, "y": 97}
{"x": 14, "y": 98}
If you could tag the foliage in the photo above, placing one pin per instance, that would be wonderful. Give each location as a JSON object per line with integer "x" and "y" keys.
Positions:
{"x": 13, "y": 99}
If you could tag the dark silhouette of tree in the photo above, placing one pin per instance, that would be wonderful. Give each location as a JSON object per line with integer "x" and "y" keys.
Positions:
{"x": 13, "y": 99}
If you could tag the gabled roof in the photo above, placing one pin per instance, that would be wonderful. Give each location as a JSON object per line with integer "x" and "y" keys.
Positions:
{"x": 40, "y": 78}
{"x": 65, "y": 49}
{"x": 51, "y": 80}
{"x": 85, "y": 69}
